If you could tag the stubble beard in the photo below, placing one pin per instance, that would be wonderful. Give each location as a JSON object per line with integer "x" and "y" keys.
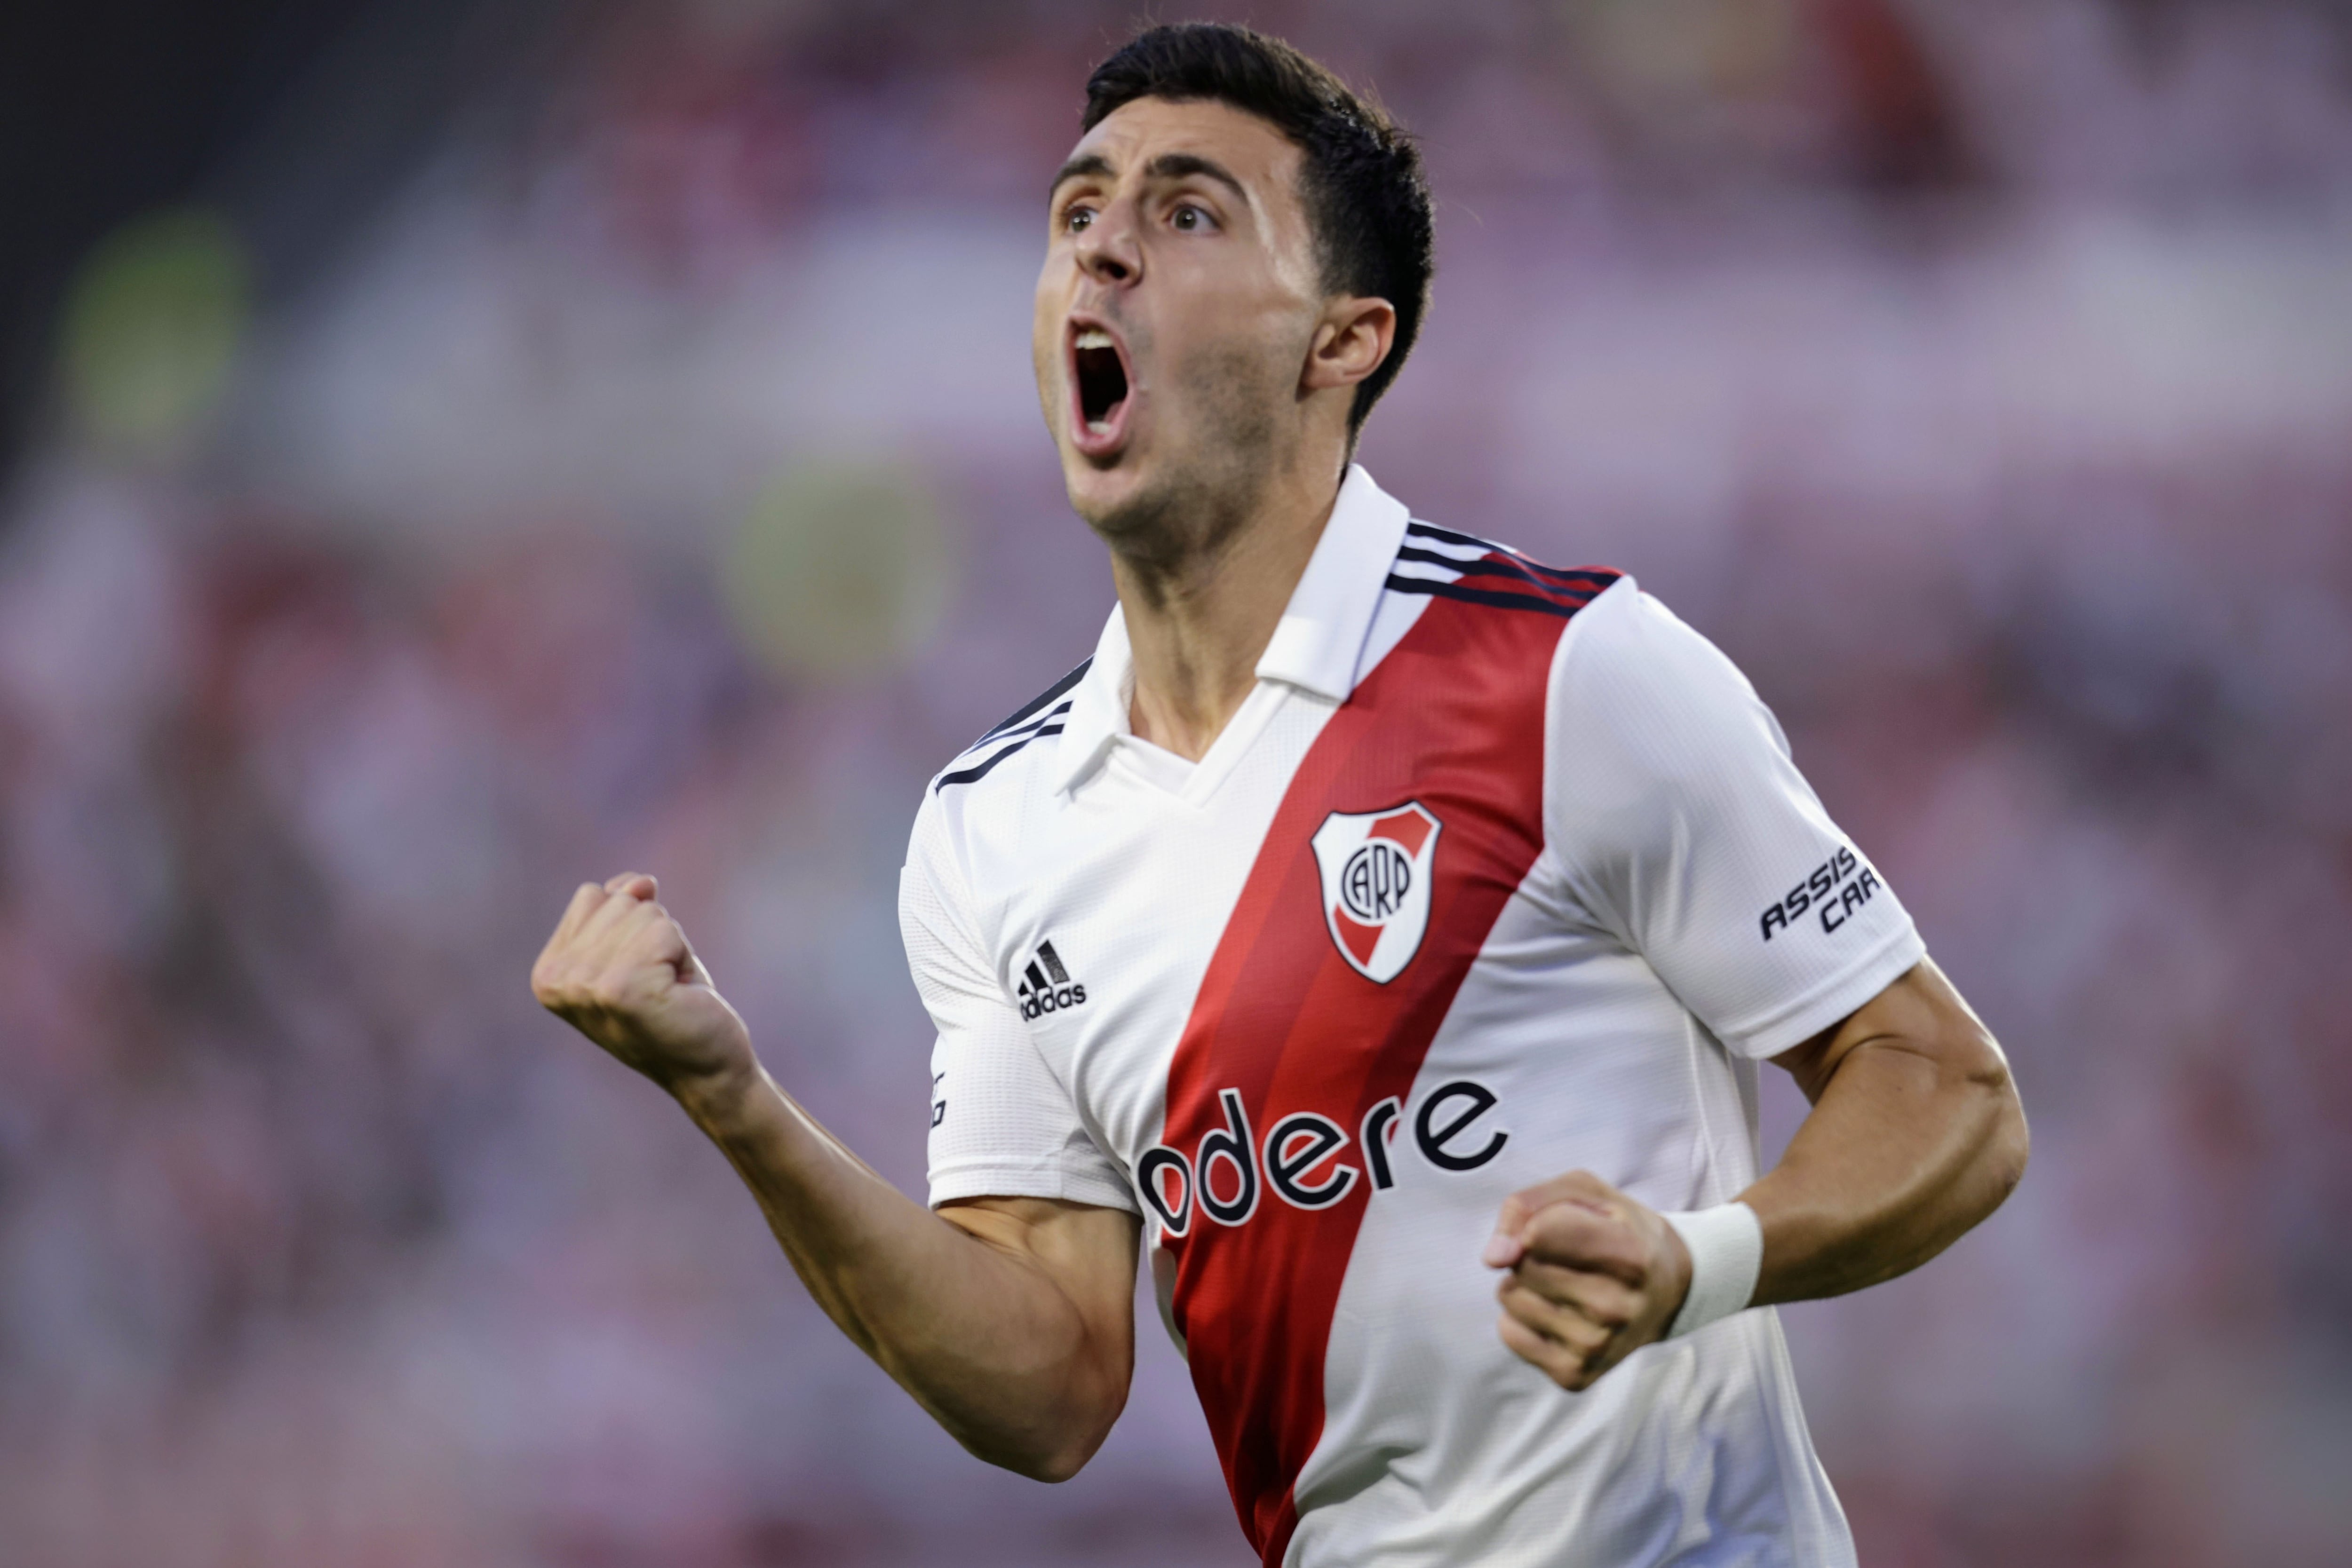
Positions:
{"x": 1199, "y": 500}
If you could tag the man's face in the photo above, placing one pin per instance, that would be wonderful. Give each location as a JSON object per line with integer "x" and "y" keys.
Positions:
{"x": 1178, "y": 300}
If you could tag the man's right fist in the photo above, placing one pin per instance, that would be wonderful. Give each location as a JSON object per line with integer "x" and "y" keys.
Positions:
{"x": 621, "y": 971}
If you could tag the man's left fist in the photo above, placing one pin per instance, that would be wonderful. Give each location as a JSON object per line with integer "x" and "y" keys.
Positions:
{"x": 1594, "y": 1276}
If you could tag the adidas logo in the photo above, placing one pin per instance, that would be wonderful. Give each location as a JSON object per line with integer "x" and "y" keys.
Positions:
{"x": 1046, "y": 985}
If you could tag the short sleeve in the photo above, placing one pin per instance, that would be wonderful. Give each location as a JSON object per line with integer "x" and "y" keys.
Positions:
{"x": 1001, "y": 1123}
{"x": 1682, "y": 826}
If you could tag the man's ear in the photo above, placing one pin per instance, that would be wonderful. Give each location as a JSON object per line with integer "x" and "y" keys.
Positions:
{"x": 1351, "y": 343}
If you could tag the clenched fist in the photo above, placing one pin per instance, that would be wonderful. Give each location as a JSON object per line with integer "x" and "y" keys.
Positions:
{"x": 621, "y": 971}
{"x": 1593, "y": 1276}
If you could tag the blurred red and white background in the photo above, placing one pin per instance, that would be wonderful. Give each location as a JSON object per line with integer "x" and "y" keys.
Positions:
{"x": 531, "y": 441}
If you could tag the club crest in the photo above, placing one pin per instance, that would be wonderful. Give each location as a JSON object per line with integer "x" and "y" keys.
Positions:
{"x": 1376, "y": 880}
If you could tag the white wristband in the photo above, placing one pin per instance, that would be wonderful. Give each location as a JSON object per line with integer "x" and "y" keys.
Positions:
{"x": 1726, "y": 1253}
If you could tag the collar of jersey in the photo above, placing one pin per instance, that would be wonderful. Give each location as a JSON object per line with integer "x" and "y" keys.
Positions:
{"x": 1316, "y": 646}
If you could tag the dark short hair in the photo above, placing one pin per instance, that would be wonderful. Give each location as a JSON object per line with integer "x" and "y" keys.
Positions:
{"x": 1360, "y": 179}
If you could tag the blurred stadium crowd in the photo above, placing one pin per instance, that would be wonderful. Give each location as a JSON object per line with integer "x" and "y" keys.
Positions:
{"x": 655, "y": 481}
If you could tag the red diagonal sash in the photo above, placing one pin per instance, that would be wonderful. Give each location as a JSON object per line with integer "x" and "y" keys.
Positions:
{"x": 1453, "y": 718}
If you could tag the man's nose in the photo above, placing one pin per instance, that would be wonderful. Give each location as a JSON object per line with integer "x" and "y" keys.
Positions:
{"x": 1106, "y": 248}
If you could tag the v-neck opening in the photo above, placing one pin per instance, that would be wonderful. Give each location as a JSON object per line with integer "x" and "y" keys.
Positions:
{"x": 1193, "y": 783}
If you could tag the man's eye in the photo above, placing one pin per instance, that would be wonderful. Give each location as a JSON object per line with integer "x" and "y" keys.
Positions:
{"x": 1078, "y": 218}
{"x": 1188, "y": 218}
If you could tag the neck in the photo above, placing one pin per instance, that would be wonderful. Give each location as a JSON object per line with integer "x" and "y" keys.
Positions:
{"x": 1199, "y": 619}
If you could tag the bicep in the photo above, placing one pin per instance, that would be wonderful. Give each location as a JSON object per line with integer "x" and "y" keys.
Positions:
{"x": 1087, "y": 1252}
{"x": 1920, "y": 1015}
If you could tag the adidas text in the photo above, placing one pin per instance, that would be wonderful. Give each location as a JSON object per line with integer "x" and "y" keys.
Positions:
{"x": 1047, "y": 986}
{"x": 1053, "y": 1001}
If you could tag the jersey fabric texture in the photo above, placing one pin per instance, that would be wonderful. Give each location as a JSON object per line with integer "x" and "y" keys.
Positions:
{"x": 1500, "y": 871}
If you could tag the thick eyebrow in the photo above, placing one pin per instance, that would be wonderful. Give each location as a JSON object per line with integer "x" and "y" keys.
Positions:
{"x": 1167, "y": 166}
{"x": 1177, "y": 165}
{"x": 1084, "y": 163}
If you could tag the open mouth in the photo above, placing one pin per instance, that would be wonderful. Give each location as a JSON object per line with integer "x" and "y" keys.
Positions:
{"x": 1102, "y": 381}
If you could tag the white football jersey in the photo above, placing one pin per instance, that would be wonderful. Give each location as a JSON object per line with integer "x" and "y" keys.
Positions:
{"x": 1500, "y": 871}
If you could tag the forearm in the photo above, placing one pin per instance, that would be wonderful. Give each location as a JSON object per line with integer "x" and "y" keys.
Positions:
{"x": 980, "y": 1334}
{"x": 1905, "y": 1150}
